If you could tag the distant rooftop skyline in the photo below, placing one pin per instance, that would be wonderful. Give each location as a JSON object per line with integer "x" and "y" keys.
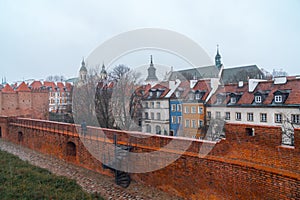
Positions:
{"x": 41, "y": 38}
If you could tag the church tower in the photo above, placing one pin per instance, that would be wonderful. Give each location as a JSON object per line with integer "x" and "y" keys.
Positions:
{"x": 218, "y": 62}
{"x": 151, "y": 72}
{"x": 83, "y": 72}
{"x": 103, "y": 73}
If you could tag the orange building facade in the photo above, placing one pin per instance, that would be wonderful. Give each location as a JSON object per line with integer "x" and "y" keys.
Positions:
{"x": 194, "y": 118}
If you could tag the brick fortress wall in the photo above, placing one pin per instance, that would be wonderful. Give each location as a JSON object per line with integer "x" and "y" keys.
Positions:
{"x": 32, "y": 104}
{"x": 238, "y": 167}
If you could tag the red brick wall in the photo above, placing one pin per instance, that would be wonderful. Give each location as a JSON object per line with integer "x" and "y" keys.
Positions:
{"x": 34, "y": 104}
{"x": 230, "y": 171}
{"x": 263, "y": 148}
{"x": 9, "y": 103}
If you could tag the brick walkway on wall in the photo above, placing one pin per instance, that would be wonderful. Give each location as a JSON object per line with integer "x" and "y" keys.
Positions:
{"x": 90, "y": 181}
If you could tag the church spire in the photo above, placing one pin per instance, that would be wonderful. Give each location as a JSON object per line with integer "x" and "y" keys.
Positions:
{"x": 83, "y": 68}
{"x": 218, "y": 62}
{"x": 151, "y": 72}
{"x": 83, "y": 71}
{"x": 151, "y": 61}
{"x": 103, "y": 73}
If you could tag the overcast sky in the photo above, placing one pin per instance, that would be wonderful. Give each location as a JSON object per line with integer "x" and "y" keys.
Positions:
{"x": 43, "y": 37}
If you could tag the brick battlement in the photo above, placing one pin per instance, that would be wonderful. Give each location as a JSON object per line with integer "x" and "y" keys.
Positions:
{"x": 238, "y": 167}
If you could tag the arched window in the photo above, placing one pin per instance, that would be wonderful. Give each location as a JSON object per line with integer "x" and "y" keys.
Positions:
{"x": 71, "y": 149}
{"x": 158, "y": 129}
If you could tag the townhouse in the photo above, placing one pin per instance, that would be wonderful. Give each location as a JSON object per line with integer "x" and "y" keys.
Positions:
{"x": 258, "y": 102}
{"x": 60, "y": 94}
{"x": 156, "y": 110}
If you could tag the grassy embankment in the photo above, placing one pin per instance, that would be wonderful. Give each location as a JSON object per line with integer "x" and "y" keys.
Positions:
{"x": 20, "y": 180}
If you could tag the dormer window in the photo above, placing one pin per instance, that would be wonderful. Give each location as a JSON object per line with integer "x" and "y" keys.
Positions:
{"x": 177, "y": 94}
{"x": 158, "y": 93}
{"x": 257, "y": 99}
{"x": 219, "y": 100}
{"x": 191, "y": 96}
{"x": 197, "y": 96}
{"x": 278, "y": 99}
{"x": 233, "y": 100}
{"x": 280, "y": 96}
{"x": 150, "y": 93}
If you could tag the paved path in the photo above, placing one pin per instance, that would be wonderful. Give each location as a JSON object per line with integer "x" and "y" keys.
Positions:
{"x": 90, "y": 181}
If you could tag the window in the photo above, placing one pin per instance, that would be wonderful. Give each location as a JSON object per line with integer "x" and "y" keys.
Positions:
{"x": 186, "y": 109}
{"x": 194, "y": 124}
{"x": 158, "y": 129}
{"x": 257, "y": 99}
{"x": 227, "y": 115}
{"x": 278, "y": 99}
{"x": 193, "y": 109}
{"x": 158, "y": 116}
{"x": 200, "y": 110}
{"x": 152, "y": 104}
{"x": 208, "y": 114}
{"x": 296, "y": 119}
{"x": 250, "y": 131}
{"x": 173, "y": 107}
{"x": 238, "y": 116}
{"x": 179, "y": 119}
{"x": 173, "y": 119}
{"x": 151, "y": 94}
{"x": 146, "y": 105}
{"x": 278, "y": 118}
{"x": 179, "y": 108}
{"x": 152, "y": 115}
{"x": 157, "y": 104}
{"x": 197, "y": 96}
{"x": 232, "y": 100}
{"x": 148, "y": 128}
{"x": 218, "y": 115}
{"x": 250, "y": 117}
{"x": 191, "y": 96}
{"x": 200, "y": 123}
{"x": 158, "y": 93}
{"x": 177, "y": 94}
{"x": 219, "y": 100}
{"x": 263, "y": 117}
{"x": 187, "y": 123}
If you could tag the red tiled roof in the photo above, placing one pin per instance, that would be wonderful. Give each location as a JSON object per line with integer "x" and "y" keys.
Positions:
{"x": 203, "y": 85}
{"x": 60, "y": 85}
{"x": 163, "y": 86}
{"x": 7, "y": 88}
{"x": 50, "y": 85}
{"x": 68, "y": 86}
{"x": 23, "y": 88}
{"x": 292, "y": 85}
{"x": 36, "y": 85}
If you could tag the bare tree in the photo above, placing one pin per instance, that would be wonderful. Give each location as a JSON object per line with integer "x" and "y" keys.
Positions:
{"x": 84, "y": 100}
{"x": 118, "y": 72}
{"x": 103, "y": 105}
{"x": 55, "y": 78}
{"x": 216, "y": 129}
{"x": 287, "y": 129}
{"x": 123, "y": 97}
